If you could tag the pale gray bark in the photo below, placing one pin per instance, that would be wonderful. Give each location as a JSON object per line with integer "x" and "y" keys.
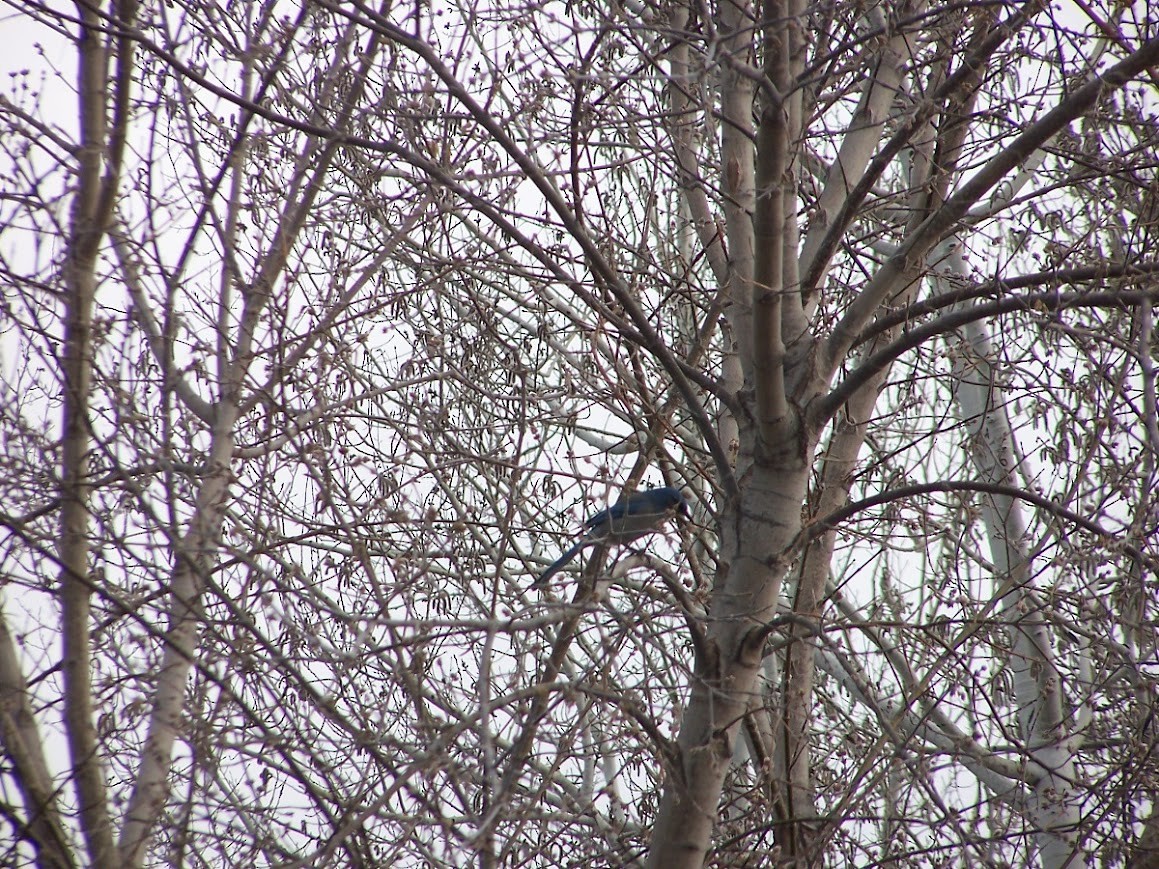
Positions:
{"x": 21, "y": 740}
{"x": 1039, "y": 689}
{"x": 398, "y": 296}
{"x": 195, "y": 554}
{"x": 764, "y": 518}
{"x": 105, "y": 72}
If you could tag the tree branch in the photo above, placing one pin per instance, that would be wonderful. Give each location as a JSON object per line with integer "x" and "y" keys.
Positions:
{"x": 962, "y": 77}
{"x": 904, "y": 267}
{"x": 91, "y": 210}
{"x": 767, "y": 290}
{"x": 832, "y": 520}
{"x": 25, "y": 751}
{"x": 823, "y": 409}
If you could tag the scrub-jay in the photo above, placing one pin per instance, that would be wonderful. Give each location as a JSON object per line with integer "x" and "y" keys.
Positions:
{"x": 631, "y": 517}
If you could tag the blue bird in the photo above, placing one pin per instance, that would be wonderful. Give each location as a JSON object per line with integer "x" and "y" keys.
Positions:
{"x": 633, "y": 516}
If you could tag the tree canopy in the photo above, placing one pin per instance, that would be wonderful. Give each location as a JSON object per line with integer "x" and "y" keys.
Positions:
{"x": 325, "y": 326}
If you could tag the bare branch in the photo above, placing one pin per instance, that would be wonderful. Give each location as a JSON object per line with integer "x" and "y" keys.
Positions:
{"x": 904, "y": 267}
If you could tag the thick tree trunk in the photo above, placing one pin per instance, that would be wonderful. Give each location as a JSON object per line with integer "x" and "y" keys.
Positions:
{"x": 757, "y": 533}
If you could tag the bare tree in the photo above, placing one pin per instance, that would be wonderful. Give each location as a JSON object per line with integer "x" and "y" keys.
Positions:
{"x": 323, "y": 326}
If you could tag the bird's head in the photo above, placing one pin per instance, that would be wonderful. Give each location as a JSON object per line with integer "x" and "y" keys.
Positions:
{"x": 676, "y": 502}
